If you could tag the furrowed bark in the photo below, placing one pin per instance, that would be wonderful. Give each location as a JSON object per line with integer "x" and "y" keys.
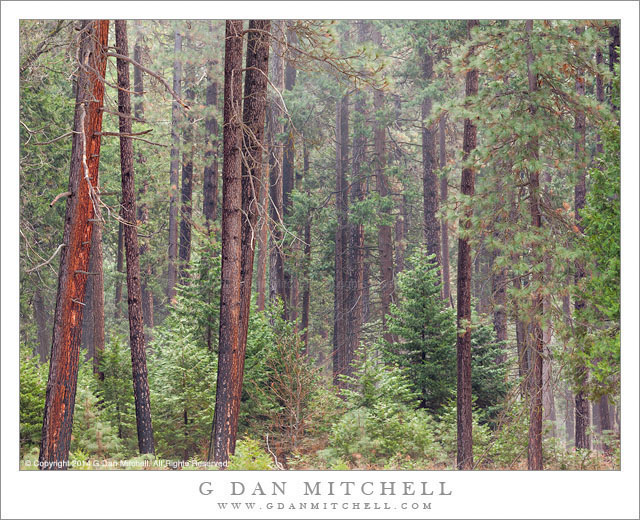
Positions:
{"x": 463, "y": 343}
{"x": 583, "y": 415}
{"x": 534, "y": 457}
{"x": 444, "y": 226}
{"x": 143, "y": 208}
{"x": 230, "y": 300}
{"x": 276, "y": 128}
{"x": 74, "y": 258}
{"x": 134, "y": 296}
{"x": 186, "y": 208}
{"x": 253, "y": 118}
{"x": 429, "y": 177}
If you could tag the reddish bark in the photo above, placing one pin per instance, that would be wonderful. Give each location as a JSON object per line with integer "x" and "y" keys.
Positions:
{"x": 463, "y": 343}
{"x": 253, "y": 118}
{"x": 230, "y": 299}
{"x": 74, "y": 258}
{"x": 134, "y": 296}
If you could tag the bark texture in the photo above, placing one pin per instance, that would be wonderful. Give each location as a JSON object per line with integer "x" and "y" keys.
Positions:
{"x": 276, "y": 128}
{"x": 230, "y": 299}
{"x": 74, "y": 257}
{"x": 444, "y": 226}
{"x": 134, "y": 295}
{"x": 186, "y": 208}
{"x": 172, "y": 275}
{"x": 463, "y": 343}
{"x": 534, "y": 457}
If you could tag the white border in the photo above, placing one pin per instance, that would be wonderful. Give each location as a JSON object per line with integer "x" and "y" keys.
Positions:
{"x": 119, "y": 494}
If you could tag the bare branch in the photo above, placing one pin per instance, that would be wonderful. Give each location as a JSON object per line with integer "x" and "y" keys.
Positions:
{"x": 59, "y": 196}
{"x": 47, "y": 261}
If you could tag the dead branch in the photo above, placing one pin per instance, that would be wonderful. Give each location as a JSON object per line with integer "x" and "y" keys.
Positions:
{"x": 47, "y": 261}
{"x": 59, "y": 196}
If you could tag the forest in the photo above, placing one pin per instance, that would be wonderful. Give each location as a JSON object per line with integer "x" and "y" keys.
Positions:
{"x": 319, "y": 244}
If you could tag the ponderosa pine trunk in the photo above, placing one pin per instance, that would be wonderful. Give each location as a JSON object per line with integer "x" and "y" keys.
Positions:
{"x": 134, "y": 297}
{"x": 385, "y": 240}
{"x": 210, "y": 175}
{"x": 306, "y": 284}
{"x": 253, "y": 119}
{"x": 444, "y": 226}
{"x": 463, "y": 343}
{"x": 143, "y": 208}
{"x": 186, "y": 207}
{"x": 263, "y": 239}
{"x": 400, "y": 229}
{"x": 230, "y": 295}
{"x": 74, "y": 257}
{"x": 614, "y": 55}
{"x": 119, "y": 270}
{"x": 288, "y": 168}
{"x": 340, "y": 331}
{"x": 172, "y": 275}
{"x": 430, "y": 182}
{"x": 275, "y": 128}
{"x": 97, "y": 299}
{"x": 534, "y": 458}
{"x": 583, "y": 415}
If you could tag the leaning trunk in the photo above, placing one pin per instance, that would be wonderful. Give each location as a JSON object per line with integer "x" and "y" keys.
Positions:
{"x": 74, "y": 259}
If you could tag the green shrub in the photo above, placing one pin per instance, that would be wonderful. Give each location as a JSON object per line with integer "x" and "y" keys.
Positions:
{"x": 33, "y": 388}
{"x": 250, "y": 455}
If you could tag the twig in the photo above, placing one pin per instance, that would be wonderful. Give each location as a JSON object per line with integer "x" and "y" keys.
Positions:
{"x": 275, "y": 459}
{"x": 45, "y": 263}
{"x": 56, "y": 139}
{"x": 59, "y": 196}
{"x": 119, "y": 134}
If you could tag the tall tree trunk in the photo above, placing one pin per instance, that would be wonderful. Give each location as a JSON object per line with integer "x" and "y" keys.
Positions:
{"x": 444, "y": 226}
{"x": 583, "y": 419}
{"x": 463, "y": 343}
{"x": 40, "y": 315}
{"x": 143, "y": 208}
{"x": 253, "y": 119}
{"x": 340, "y": 267}
{"x": 288, "y": 168}
{"x": 74, "y": 257}
{"x": 230, "y": 295}
{"x": 570, "y": 416}
{"x": 134, "y": 297}
{"x": 119, "y": 270}
{"x": 263, "y": 239}
{"x": 173, "y": 170}
{"x": 275, "y": 128}
{"x": 534, "y": 459}
{"x": 385, "y": 241}
{"x": 429, "y": 165}
{"x": 210, "y": 175}
{"x": 186, "y": 208}
{"x": 354, "y": 253}
{"x": 306, "y": 284}
{"x": 97, "y": 298}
